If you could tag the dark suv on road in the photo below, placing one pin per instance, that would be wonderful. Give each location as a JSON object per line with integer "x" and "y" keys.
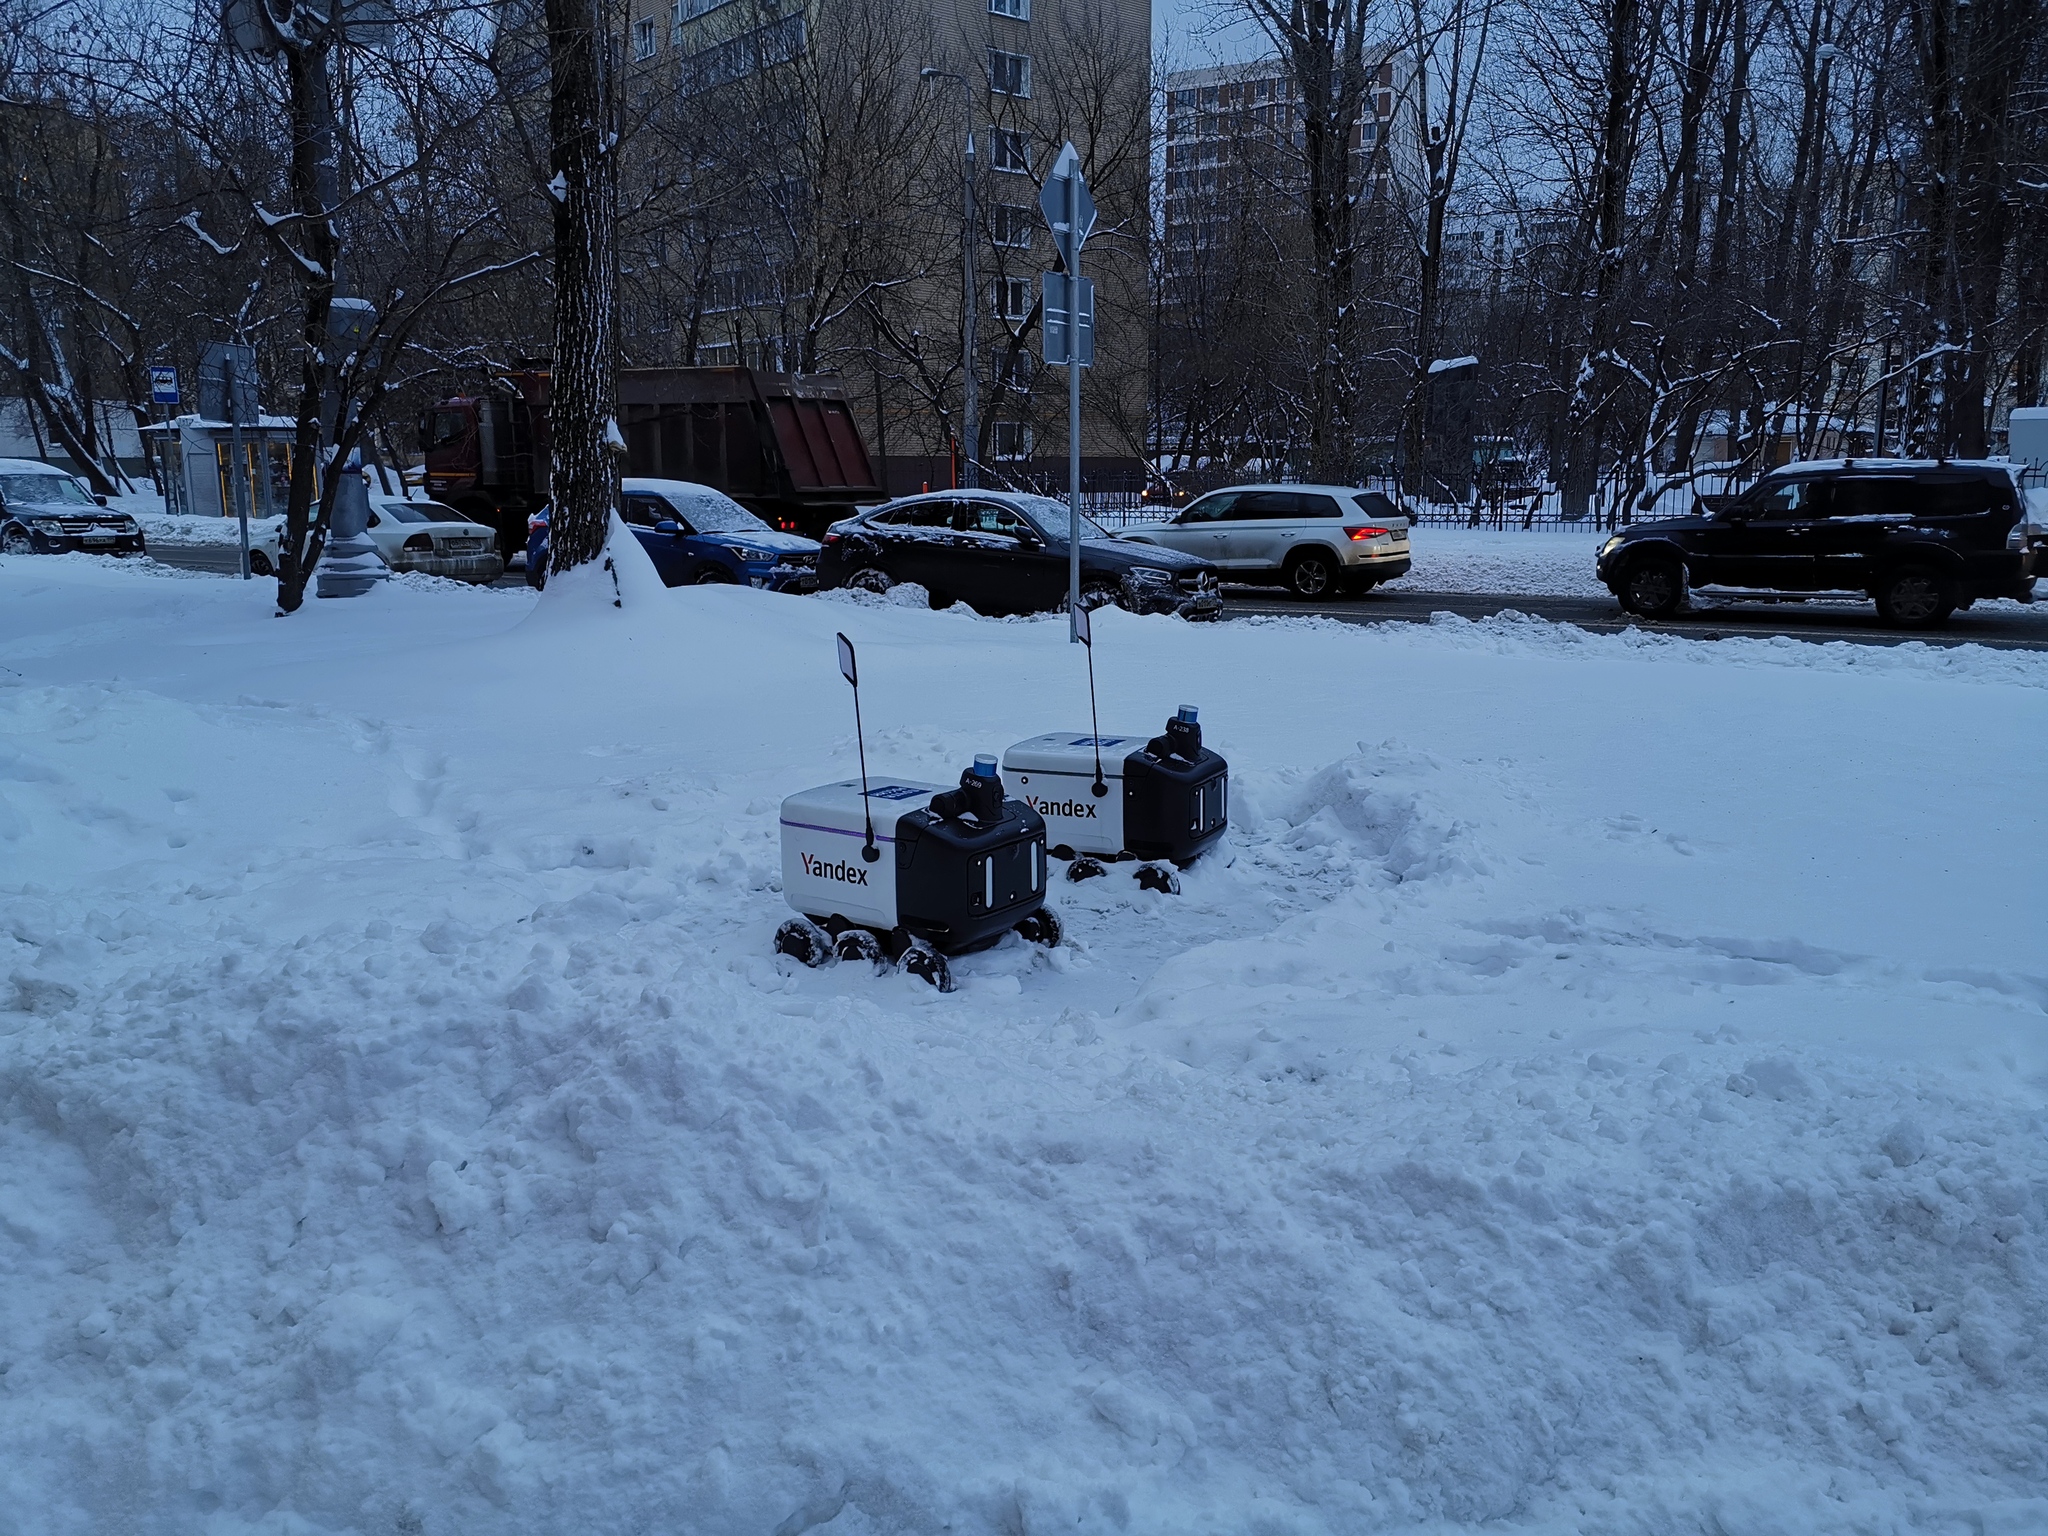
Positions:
{"x": 1922, "y": 539}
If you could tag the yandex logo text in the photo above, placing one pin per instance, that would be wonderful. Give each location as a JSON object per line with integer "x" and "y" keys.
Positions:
{"x": 846, "y": 874}
{"x": 1073, "y": 809}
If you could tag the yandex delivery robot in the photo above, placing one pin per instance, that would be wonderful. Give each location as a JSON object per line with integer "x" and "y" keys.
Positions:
{"x": 1162, "y": 799}
{"x": 909, "y": 872}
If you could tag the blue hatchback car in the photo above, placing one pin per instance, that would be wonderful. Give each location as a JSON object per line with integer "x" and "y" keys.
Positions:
{"x": 696, "y": 535}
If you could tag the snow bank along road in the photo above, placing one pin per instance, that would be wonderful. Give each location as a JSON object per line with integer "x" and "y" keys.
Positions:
{"x": 1597, "y": 1086}
{"x": 1999, "y": 625}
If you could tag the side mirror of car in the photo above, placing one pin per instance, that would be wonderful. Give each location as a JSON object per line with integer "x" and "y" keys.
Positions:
{"x": 375, "y": 521}
{"x": 1029, "y": 540}
{"x": 668, "y": 525}
{"x": 100, "y": 499}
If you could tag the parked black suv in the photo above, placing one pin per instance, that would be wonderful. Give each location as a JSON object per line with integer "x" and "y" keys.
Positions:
{"x": 1923, "y": 539}
{"x": 44, "y": 511}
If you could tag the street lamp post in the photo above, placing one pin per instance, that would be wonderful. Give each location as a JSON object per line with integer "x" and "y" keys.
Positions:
{"x": 970, "y": 405}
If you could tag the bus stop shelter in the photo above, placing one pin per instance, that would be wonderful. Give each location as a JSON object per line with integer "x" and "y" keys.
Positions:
{"x": 195, "y": 457}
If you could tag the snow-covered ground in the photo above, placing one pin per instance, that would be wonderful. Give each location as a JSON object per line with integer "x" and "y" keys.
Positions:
{"x": 1537, "y": 563}
{"x": 1598, "y": 1086}
{"x": 163, "y": 530}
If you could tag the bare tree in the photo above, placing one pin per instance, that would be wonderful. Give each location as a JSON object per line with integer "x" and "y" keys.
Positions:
{"x": 586, "y": 444}
{"x": 1333, "y": 51}
{"x": 1446, "y": 44}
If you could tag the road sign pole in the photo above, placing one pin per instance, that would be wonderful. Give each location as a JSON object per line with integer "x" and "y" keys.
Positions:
{"x": 970, "y": 413}
{"x": 1070, "y": 211}
{"x": 1073, "y": 254}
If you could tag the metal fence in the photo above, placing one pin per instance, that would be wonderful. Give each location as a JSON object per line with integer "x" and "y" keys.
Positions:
{"x": 1118, "y": 510}
{"x": 1540, "y": 512}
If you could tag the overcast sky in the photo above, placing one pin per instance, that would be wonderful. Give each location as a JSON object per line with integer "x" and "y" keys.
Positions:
{"x": 1198, "y": 32}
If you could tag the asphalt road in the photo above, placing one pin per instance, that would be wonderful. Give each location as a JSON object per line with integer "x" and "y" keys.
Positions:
{"x": 2004, "y": 625}
{"x": 2008, "y": 626}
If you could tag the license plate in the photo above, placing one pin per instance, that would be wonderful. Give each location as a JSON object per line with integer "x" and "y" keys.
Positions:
{"x": 99, "y": 538}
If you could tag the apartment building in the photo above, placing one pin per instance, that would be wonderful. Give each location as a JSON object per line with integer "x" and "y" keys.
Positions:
{"x": 1233, "y": 147}
{"x": 798, "y": 184}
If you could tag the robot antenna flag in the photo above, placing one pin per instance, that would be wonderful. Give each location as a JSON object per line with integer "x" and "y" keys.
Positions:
{"x": 849, "y": 669}
{"x": 1084, "y": 633}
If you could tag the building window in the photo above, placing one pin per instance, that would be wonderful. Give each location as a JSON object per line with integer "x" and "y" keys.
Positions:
{"x": 1016, "y": 10}
{"x": 1007, "y": 151}
{"x": 1012, "y": 225}
{"x": 764, "y": 48}
{"x": 743, "y": 288}
{"x": 1009, "y": 440}
{"x": 1013, "y": 297}
{"x": 1009, "y": 74}
{"x": 1015, "y": 368}
{"x": 643, "y": 38}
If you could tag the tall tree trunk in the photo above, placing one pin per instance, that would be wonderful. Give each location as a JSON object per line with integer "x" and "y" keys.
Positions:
{"x": 1971, "y": 59}
{"x": 313, "y": 183}
{"x": 1443, "y": 117}
{"x": 1708, "y": 26}
{"x": 585, "y": 441}
{"x": 1620, "y": 108}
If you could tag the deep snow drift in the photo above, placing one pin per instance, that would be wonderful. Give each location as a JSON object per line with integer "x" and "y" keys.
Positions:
{"x": 1597, "y": 1086}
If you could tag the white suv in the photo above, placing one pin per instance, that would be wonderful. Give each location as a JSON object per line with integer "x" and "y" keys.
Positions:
{"x": 1318, "y": 540}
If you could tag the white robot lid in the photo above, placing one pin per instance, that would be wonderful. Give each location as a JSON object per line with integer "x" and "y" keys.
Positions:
{"x": 837, "y": 807}
{"x": 1071, "y": 752}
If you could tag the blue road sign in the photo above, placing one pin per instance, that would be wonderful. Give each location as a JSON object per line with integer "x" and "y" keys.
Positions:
{"x": 1052, "y": 202}
{"x": 1055, "y": 317}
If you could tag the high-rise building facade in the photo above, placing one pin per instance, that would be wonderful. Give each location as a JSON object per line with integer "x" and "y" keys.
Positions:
{"x": 799, "y": 188}
{"x": 1233, "y": 152}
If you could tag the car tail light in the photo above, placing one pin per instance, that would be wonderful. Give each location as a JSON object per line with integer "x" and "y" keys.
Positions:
{"x": 831, "y": 538}
{"x": 420, "y": 542}
{"x": 1367, "y": 532}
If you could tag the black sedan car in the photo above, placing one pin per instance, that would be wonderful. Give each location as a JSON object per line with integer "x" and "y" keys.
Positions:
{"x": 1004, "y": 552}
{"x": 44, "y": 511}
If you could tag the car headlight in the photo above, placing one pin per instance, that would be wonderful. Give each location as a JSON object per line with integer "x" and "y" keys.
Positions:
{"x": 1613, "y": 543}
{"x": 46, "y": 524}
{"x": 746, "y": 556}
{"x": 1151, "y": 576}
